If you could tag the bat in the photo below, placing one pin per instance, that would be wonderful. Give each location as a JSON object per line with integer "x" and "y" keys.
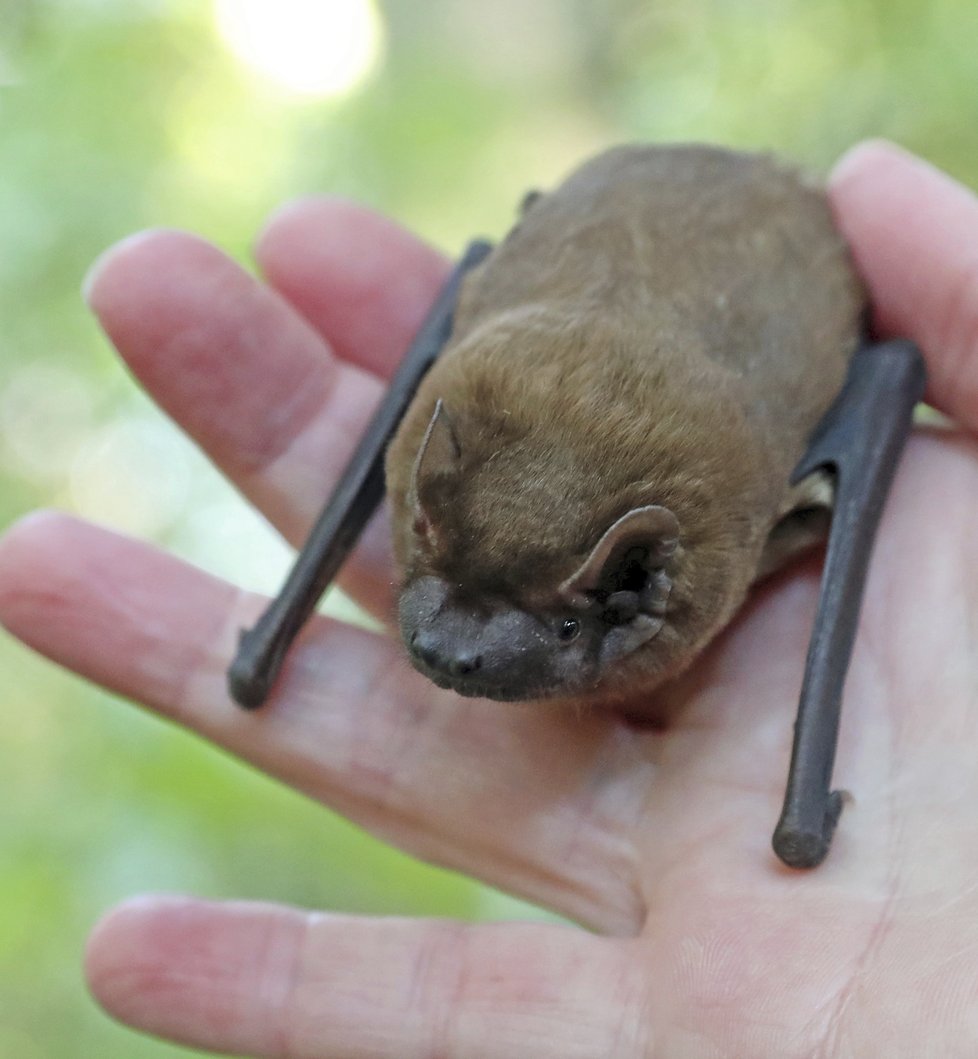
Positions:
{"x": 657, "y": 390}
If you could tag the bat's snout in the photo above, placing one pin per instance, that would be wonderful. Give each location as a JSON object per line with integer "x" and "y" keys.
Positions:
{"x": 496, "y": 652}
{"x": 454, "y": 660}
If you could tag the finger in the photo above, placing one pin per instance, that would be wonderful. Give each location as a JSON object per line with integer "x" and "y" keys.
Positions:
{"x": 534, "y": 801}
{"x": 247, "y": 378}
{"x": 361, "y": 280}
{"x": 261, "y": 980}
{"x": 914, "y": 234}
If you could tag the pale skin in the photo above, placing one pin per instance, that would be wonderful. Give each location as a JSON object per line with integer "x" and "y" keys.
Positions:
{"x": 701, "y": 943}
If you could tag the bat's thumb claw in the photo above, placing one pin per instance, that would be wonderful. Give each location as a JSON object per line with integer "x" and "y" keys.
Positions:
{"x": 250, "y": 675}
{"x": 800, "y": 845}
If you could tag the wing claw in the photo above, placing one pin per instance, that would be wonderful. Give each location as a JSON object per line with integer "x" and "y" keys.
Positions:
{"x": 860, "y": 439}
{"x": 262, "y": 649}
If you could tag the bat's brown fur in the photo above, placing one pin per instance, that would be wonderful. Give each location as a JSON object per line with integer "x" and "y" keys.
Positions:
{"x": 665, "y": 328}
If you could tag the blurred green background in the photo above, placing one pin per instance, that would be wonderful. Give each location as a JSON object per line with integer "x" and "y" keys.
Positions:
{"x": 121, "y": 114}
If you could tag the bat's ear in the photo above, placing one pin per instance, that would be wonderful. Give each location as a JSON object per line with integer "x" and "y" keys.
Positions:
{"x": 626, "y": 558}
{"x": 437, "y": 458}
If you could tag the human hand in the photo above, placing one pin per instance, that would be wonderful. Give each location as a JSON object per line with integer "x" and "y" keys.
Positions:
{"x": 659, "y": 841}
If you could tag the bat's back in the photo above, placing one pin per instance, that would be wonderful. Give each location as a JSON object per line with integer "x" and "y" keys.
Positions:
{"x": 706, "y": 252}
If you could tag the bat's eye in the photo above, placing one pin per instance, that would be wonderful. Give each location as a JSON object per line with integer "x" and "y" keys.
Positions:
{"x": 569, "y": 630}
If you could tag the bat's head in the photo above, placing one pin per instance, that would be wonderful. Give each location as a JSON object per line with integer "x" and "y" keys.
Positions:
{"x": 513, "y": 589}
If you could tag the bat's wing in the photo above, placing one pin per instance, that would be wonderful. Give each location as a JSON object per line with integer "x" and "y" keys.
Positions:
{"x": 860, "y": 440}
{"x": 262, "y": 649}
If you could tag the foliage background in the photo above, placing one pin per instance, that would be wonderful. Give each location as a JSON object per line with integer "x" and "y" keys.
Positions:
{"x": 122, "y": 114}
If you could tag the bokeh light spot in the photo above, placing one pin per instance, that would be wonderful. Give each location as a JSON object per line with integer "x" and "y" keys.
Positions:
{"x": 318, "y": 48}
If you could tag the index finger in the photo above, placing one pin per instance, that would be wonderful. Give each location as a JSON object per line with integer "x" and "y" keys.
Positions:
{"x": 914, "y": 234}
{"x": 236, "y": 365}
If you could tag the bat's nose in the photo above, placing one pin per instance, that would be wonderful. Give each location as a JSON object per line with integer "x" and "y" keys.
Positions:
{"x": 452, "y": 660}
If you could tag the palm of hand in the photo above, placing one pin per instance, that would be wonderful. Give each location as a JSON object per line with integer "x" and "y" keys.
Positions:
{"x": 657, "y": 839}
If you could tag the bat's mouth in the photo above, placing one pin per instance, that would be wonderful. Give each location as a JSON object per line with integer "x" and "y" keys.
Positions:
{"x": 482, "y": 689}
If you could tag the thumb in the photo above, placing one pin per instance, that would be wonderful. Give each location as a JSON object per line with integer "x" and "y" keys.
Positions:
{"x": 914, "y": 233}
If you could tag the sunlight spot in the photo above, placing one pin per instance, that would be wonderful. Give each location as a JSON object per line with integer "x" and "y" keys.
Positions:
{"x": 132, "y": 474}
{"x": 319, "y": 48}
{"x": 46, "y": 414}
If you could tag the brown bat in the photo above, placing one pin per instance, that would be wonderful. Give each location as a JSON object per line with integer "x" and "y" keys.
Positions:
{"x": 650, "y": 395}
